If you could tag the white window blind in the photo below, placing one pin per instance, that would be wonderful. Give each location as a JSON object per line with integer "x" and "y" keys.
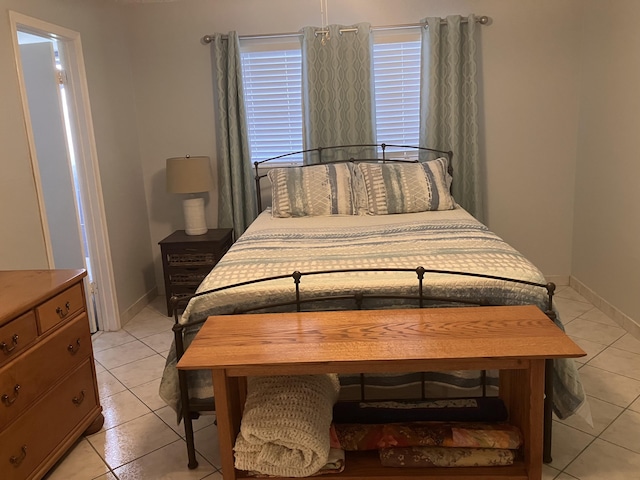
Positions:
{"x": 396, "y": 69}
{"x": 273, "y": 95}
{"x": 272, "y": 78}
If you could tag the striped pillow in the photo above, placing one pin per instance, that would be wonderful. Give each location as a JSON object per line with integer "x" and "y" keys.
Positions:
{"x": 312, "y": 191}
{"x": 407, "y": 187}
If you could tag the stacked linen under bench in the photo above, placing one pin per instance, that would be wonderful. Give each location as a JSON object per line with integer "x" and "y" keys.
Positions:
{"x": 292, "y": 427}
{"x": 436, "y": 433}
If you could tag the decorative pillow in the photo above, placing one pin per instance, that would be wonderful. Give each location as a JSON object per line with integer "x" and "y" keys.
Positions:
{"x": 312, "y": 190}
{"x": 407, "y": 187}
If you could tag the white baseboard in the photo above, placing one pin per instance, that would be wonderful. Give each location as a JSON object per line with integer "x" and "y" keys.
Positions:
{"x": 622, "y": 319}
{"x": 137, "y": 307}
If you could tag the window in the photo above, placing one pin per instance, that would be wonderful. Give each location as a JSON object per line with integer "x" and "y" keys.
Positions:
{"x": 396, "y": 73}
{"x": 273, "y": 96}
{"x": 272, "y": 77}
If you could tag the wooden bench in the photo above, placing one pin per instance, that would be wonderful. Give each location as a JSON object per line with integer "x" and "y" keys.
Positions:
{"x": 513, "y": 339}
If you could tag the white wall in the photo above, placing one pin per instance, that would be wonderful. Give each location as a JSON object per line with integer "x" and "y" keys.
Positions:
{"x": 113, "y": 109}
{"x": 549, "y": 68}
{"x": 606, "y": 247}
{"x": 21, "y": 241}
{"x": 530, "y": 72}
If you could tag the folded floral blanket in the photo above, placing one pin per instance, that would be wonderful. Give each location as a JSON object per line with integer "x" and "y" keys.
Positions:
{"x": 285, "y": 426}
{"x": 445, "y": 457}
{"x": 355, "y": 437}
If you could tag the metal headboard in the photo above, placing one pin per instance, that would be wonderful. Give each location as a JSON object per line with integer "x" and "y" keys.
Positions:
{"x": 319, "y": 151}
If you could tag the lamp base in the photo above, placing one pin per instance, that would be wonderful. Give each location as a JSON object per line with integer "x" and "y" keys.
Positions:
{"x": 194, "y": 221}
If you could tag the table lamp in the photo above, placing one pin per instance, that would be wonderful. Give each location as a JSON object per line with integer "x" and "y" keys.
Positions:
{"x": 190, "y": 175}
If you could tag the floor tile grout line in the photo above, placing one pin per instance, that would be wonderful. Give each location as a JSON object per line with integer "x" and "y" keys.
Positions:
{"x": 608, "y": 371}
{"x": 579, "y": 453}
{"x": 131, "y": 330}
{"x": 598, "y": 436}
{"x": 606, "y": 344}
{"x": 133, "y": 339}
{"x": 129, "y": 363}
{"x": 111, "y": 469}
{"x": 168, "y": 330}
{"x": 568, "y": 297}
{"x": 601, "y": 324}
{"x": 622, "y": 349}
{"x": 94, "y": 340}
{"x": 625, "y": 409}
{"x": 160, "y": 448}
{"x": 154, "y": 348}
{"x": 181, "y": 438}
{"x": 103, "y": 460}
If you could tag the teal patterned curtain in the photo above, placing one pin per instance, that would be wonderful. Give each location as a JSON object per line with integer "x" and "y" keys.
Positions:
{"x": 448, "y": 103}
{"x": 236, "y": 190}
{"x": 337, "y": 89}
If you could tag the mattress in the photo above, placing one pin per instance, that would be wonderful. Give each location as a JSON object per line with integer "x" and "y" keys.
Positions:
{"x": 450, "y": 240}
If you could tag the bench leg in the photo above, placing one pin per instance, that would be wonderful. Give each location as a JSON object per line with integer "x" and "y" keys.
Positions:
{"x": 548, "y": 410}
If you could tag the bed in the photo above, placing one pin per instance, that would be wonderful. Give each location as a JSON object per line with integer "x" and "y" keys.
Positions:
{"x": 379, "y": 246}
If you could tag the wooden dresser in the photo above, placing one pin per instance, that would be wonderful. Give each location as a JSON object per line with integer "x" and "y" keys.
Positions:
{"x": 48, "y": 388}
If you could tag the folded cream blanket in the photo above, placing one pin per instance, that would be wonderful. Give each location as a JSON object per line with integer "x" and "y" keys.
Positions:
{"x": 285, "y": 425}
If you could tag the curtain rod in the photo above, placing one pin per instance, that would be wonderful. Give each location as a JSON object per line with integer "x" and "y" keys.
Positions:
{"x": 483, "y": 20}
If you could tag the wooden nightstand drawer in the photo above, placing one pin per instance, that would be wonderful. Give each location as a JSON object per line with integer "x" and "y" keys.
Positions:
{"x": 192, "y": 258}
{"x": 188, "y": 276}
{"x": 187, "y": 259}
{"x": 28, "y": 377}
{"x": 62, "y": 306}
{"x": 24, "y": 445}
{"x": 16, "y": 336}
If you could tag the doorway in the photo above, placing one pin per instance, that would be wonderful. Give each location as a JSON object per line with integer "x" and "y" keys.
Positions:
{"x": 59, "y": 127}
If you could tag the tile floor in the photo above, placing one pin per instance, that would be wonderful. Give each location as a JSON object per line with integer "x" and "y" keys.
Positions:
{"x": 140, "y": 439}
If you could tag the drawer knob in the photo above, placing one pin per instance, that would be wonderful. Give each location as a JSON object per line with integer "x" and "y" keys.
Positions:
{"x": 6, "y": 348}
{"x": 17, "y": 460}
{"x": 8, "y": 401}
{"x": 63, "y": 313}
{"x": 77, "y": 401}
{"x": 73, "y": 349}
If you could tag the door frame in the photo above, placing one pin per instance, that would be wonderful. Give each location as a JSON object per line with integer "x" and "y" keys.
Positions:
{"x": 87, "y": 160}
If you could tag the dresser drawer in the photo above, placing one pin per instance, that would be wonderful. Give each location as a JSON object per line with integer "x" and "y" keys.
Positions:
{"x": 28, "y": 377}
{"x": 16, "y": 335}
{"x": 26, "y": 443}
{"x": 60, "y": 307}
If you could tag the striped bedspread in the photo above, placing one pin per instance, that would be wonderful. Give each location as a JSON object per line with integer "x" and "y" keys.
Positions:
{"x": 445, "y": 240}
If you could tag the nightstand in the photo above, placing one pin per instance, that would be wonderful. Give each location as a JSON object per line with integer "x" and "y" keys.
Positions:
{"x": 187, "y": 259}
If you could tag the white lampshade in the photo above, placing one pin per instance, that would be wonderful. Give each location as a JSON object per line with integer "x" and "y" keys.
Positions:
{"x": 190, "y": 175}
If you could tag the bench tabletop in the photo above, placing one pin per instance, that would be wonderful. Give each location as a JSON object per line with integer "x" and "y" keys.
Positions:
{"x": 347, "y": 339}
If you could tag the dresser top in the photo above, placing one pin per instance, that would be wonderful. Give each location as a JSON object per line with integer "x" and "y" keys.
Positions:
{"x": 21, "y": 290}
